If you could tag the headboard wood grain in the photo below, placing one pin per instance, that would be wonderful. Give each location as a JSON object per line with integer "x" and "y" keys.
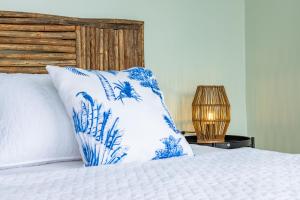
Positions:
{"x": 29, "y": 41}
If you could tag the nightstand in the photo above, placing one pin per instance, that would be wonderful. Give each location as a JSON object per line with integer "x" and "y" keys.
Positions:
{"x": 231, "y": 141}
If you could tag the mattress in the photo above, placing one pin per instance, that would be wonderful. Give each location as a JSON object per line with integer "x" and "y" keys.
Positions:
{"x": 221, "y": 174}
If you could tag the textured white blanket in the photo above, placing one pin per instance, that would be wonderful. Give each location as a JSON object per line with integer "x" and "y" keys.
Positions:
{"x": 235, "y": 174}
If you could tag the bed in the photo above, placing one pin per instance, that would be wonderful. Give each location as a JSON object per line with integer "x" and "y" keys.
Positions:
{"x": 29, "y": 41}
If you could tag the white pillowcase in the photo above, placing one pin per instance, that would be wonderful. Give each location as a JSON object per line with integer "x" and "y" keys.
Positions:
{"x": 119, "y": 117}
{"x": 34, "y": 127}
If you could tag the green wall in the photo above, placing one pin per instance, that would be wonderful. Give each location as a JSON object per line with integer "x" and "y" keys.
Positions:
{"x": 186, "y": 43}
{"x": 273, "y": 73}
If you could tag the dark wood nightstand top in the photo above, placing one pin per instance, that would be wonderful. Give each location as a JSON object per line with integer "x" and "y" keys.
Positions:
{"x": 231, "y": 142}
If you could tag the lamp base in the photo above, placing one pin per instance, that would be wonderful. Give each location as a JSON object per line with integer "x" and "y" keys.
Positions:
{"x": 209, "y": 141}
{"x": 203, "y": 139}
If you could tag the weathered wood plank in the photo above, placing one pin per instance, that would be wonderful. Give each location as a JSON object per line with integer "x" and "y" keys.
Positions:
{"x": 121, "y": 49}
{"x": 83, "y": 46}
{"x": 47, "y": 28}
{"x": 38, "y": 56}
{"x": 93, "y": 47}
{"x": 116, "y": 50}
{"x": 104, "y": 24}
{"x": 97, "y": 46}
{"x": 135, "y": 48}
{"x": 101, "y": 49}
{"x": 131, "y": 49}
{"x": 78, "y": 47}
{"x": 29, "y": 70}
{"x": 88, "y": 48}
{"x": 127, "y": 50}
{"x": 58, "y": 42}
{"x": 46, "y": 48}
{"x": 105, "y": 48}
{"x": 141, "y": 46}
{"x": 12, "y": 14}
{"x": 31, "y": 63}
{"x": 22, "y": 34}
{"x": 111, "y": 50}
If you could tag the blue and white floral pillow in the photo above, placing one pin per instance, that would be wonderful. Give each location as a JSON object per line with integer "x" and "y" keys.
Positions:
{"x": 119, "y": 116}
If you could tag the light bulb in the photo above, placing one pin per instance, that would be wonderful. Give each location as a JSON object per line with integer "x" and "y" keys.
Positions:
{"x": 210, "y": 116}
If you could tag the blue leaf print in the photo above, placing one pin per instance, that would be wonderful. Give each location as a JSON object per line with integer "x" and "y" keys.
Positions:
{"x": 172, "y": 149}
{"x": 91, "y": 155}
{"x": 139, "y": 73}
{"x": 126, "y": 91}
{"x": 146, "y": 79}
{"x": 86, "y": 97}
{"x": 170, "y": 123}
{"x": 109, "y": 92}
{"x": 113, "y": 72}
{"x": 97, "y": 132}
{"x": 76, "y": 71}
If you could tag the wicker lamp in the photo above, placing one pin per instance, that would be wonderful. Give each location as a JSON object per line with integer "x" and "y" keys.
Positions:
{"x": 210, "y": 114}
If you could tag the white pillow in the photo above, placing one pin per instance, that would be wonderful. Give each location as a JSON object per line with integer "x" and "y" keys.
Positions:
{"x": 119, "y": 117}
{"x": 34, "y": 127}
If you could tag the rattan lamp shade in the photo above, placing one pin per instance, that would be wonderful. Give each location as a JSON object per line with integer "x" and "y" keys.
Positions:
{"x": 210, "y": 114}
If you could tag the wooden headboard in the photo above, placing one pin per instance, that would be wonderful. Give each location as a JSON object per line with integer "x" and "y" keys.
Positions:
{"x": 29, "y": 41}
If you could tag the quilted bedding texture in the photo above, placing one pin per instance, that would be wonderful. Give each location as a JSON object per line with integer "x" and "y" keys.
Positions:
{"x": 236, "y": 174}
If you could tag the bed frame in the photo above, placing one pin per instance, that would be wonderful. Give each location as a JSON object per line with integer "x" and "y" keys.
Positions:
{"x": 29, "y": 41}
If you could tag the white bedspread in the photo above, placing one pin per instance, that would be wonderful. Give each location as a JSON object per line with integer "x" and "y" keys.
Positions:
{"x": 235, "y": 174}
{"x": 198, "y": 150}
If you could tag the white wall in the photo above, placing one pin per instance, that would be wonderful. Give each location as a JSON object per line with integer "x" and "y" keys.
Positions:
{"x": 187, "y": 43}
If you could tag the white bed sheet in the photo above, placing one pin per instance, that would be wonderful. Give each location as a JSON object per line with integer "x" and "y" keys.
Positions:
{"x": 223, "y": 175}
{"x": 197, "y": 149}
